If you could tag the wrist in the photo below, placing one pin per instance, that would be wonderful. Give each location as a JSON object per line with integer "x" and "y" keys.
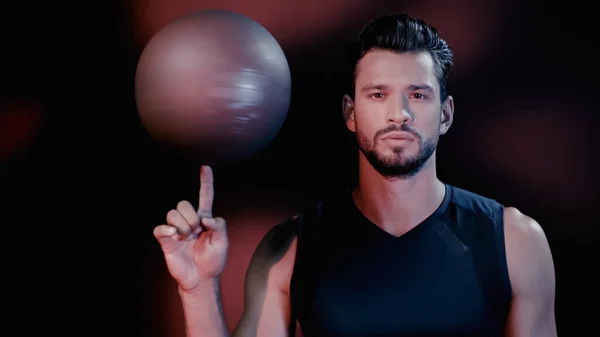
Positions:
{"x": 204, "y": 289}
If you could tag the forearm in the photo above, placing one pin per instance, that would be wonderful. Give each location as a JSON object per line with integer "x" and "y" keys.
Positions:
{"x": 204, "y": 311}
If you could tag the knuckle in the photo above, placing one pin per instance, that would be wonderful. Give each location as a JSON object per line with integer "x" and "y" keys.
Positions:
{"x": 172, "y": 215}
{"x": 192, "y": 219}
{"x": 183, "y": 204}
{"x": 188, "y": 212}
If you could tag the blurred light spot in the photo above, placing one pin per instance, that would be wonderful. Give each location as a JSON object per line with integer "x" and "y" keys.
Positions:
{"x": 545, "y": 149}
{"x": 291, "y": 23}
{"x": 471, "y": 27}
{"x": 20, "y": 121}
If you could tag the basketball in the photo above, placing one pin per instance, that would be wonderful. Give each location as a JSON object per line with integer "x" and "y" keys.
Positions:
{"x": 215, "y": 84}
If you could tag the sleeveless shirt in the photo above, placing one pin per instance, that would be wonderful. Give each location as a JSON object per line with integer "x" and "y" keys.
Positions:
{"x": 448, "y": 276}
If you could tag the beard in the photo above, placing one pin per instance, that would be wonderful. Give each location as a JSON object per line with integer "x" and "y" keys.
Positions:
{"x": 398, "y": 165}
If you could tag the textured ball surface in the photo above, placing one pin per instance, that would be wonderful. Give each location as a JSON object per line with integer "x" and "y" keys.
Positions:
{"x": 213, "y": 83}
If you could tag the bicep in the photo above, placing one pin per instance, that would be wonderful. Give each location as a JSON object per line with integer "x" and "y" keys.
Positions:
{"x": 267, "y": 316}
{"x": 532, "y": 277}
{"x": 267, "y": 310}
{"x": 531, "y": 317}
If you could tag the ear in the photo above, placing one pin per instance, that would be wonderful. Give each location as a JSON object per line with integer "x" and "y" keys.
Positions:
{"x": 447, "y": 115}
{"x": 348, "y": 110}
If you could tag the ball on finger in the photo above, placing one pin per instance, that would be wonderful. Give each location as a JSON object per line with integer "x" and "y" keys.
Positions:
{"x": 215, "y": 84}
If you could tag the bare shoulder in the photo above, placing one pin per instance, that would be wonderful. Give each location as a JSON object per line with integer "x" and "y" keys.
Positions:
{"x": 273, "y": 259}
{"x": 277, "y": 241}
{"x": 530, "y": 263}
{"x": 267, "y": 310}
{"x": 517, "y": 223}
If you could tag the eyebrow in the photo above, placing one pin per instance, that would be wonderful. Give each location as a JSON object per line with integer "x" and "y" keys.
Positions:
{"x": 425, "y": 87}
{"x": 382, "y": 87}
{"x": 373, "y": 86}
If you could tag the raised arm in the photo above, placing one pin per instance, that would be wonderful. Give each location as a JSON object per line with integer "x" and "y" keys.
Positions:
{"x": 195, "y": 246}
{"x": 267, "y": 303}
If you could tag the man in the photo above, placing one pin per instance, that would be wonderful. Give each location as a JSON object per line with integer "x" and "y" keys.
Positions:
{"x": 402, "y": 254}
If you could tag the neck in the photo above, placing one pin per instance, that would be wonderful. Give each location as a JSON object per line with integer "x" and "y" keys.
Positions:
{"x": 398, "y": 205}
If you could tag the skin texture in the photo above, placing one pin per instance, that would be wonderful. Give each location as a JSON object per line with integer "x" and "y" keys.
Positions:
{"x": 267, "y": 301}
{"x": 531, "y": 272}
{"x": 394, "y": 92}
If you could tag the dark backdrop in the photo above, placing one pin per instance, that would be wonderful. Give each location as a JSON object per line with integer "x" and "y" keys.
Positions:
{"x": 83, "y": 184}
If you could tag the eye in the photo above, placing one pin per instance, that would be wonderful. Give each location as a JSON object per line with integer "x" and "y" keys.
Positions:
{"x": 418, "y": 96}
{"x": 376, "y": 95}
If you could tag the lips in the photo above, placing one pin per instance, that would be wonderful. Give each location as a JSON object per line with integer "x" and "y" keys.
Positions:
{"x": 399, "y": 136}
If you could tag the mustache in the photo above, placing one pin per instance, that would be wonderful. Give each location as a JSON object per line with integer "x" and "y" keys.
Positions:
{"x": 397, "y": 127}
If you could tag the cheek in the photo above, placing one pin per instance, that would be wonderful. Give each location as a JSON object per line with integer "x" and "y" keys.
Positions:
{"x": 366, "y": 126}
{"x": 369, "y": 116}
{"x": 427, "y": 117}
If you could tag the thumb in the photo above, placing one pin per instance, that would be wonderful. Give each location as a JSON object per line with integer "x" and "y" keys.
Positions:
{"x": 166, "y": 236}
{"x": 216, "y": 225}
{"x": 164, "y": 232}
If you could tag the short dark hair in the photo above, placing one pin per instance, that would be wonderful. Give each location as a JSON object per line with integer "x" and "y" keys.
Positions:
{"x": 404, "y": 33}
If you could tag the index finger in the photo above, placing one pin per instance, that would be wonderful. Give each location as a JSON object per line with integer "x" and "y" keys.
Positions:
{"x": 207, "y": 192}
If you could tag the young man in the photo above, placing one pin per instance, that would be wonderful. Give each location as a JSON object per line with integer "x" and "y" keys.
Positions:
{"x": 402, "y": 254}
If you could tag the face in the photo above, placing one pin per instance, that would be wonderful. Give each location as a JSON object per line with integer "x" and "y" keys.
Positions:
{"x": 397, "y": 114}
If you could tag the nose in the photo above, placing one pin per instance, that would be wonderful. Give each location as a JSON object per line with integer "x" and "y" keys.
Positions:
{"x": 400, "y": 112}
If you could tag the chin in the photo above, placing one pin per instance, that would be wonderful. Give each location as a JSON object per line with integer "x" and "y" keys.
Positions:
{"x": 399, "y": 153}
{"x": 396, "y": 159}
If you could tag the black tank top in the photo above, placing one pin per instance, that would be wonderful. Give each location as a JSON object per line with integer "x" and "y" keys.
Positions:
{"x": 446, "y": 277}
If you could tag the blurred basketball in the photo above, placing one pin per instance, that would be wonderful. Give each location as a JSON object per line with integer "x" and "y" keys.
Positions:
{"x": 213, "y": 83}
